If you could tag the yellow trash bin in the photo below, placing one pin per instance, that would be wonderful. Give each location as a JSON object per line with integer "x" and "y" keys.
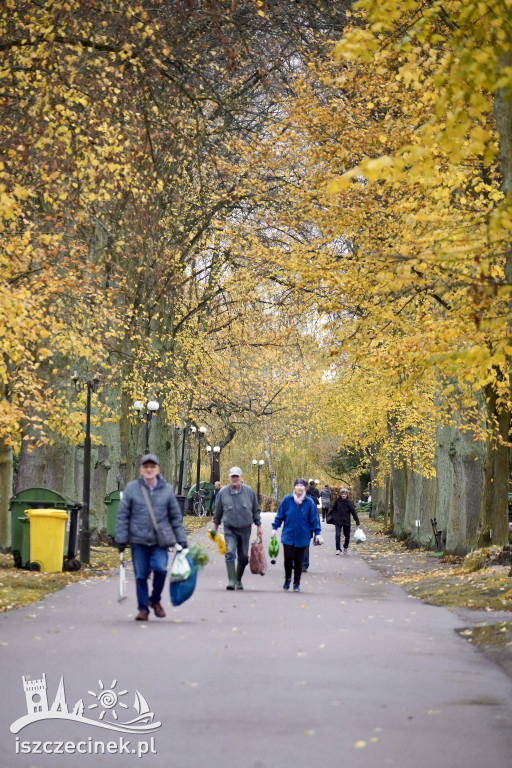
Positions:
{"x": 47, "y": 534}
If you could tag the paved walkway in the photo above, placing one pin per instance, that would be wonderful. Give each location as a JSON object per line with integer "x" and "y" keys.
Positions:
{"x": 350, "y": 672}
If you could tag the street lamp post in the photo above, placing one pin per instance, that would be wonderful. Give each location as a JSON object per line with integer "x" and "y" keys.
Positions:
{"x": 215, "y": 464}
{"x": 213, "y": 453}
{"x": 259, "y": 464}
{"x": 151, "y": 408}
{"x": 200, "y": 433}
{"x": 182, "y": 460}
{"x": 85, "y": 535}
{"x": 209, "y": 452}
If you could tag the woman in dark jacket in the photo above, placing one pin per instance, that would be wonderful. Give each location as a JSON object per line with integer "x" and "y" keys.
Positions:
{"x": 342, "y": 509}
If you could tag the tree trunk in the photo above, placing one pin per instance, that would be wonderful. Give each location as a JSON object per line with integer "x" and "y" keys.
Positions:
{"x": 460, "y": 478}
{"x": 494, "y": 518}
{"x": 503, "y": 115}
{"x": 420, "y": 508}
{"x": 5, "y": 493}
{"x": 267, "y": 450}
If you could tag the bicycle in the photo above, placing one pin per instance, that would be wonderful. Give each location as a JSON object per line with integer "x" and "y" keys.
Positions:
{"x": 199, "y": 507}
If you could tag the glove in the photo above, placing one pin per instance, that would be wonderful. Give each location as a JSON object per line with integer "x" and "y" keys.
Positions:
{"x": 121, "y": 547}
{"x": 319, "y": 540}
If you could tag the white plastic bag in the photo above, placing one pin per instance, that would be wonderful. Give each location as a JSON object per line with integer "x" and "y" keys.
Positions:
{"x": 180, "y": 568}
{"x": 359, "y": 536}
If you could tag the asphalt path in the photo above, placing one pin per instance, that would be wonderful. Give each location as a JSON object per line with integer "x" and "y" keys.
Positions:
{"x": 349, "y": 672}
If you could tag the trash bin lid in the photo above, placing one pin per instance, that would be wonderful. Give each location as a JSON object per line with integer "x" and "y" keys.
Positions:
{"x": 113, "y": 496}
{"x": 59, "y": 513}
{"x": 40, "y": 496}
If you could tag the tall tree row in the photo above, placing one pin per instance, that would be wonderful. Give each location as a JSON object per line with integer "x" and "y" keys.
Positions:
{"x": 122, "y": 128}
{"x": 398, "y": 221}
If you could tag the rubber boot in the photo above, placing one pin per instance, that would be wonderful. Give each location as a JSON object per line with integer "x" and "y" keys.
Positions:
{"x": 231, "y": 575}
{"x": 239, "y": 573}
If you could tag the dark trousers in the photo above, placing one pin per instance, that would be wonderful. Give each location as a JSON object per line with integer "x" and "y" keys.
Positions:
{"x": 293, "y": 557}
{"x": 346, "y": 533}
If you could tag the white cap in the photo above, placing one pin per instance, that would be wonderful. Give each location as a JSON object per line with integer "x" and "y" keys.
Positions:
{"x": 235, "y": 471}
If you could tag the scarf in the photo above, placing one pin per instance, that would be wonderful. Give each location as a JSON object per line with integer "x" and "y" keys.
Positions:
{"x": 297, "y": 500}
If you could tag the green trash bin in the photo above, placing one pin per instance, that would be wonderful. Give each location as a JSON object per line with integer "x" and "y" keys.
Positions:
{"x": 32, "y": 498}
{"x": 24, "y": 522}
{"x": 112, "y": 501}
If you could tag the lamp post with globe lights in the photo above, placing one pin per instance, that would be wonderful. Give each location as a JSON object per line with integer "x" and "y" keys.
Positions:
{"x": 214, "y": 454}
{"x": 151, "y": 408}
{"x": 85, "y": 536}
{"x": 259, "y": 464}
{"x": 199, "y": 432}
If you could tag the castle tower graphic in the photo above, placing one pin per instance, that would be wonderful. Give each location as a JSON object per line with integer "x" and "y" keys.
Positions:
{"x": 36, "y": 695}
{"x": 107, "y": 701}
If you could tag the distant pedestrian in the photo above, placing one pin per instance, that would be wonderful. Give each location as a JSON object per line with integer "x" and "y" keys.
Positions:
{"x": 216, "y": 488}
{"x": 298, "y": 514}
{"x": 311, "y": 491}
{"x": 342, "y": 509}
{"x": 134, "y": 526}
{"x": 325, "y": 500}
{"x": 237, "y": 508}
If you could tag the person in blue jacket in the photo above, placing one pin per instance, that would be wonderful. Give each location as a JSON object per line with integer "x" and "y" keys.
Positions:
{"x": 298, "y": 514}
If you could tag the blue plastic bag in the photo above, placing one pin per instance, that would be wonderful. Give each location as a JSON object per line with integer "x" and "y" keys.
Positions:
{"x": 182, "y": 590}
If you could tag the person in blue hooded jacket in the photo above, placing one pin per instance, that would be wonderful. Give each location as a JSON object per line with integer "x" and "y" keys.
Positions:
{"x": 298, "y": 514}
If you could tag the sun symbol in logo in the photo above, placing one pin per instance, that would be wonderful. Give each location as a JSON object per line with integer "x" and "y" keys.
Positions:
{"x": 108, "y": 699}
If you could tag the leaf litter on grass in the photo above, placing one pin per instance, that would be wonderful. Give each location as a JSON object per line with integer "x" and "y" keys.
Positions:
{"x": 479, "y": 582}
{"x": 19, "y": 587}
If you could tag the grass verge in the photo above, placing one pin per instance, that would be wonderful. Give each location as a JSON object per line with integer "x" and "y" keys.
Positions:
{"x": 19, "y": 587}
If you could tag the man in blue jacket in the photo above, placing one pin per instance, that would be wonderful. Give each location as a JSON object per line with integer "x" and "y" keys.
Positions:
{"x": 134, "y": 525}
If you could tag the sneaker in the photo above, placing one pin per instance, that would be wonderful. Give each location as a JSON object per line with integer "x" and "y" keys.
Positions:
{"x": 305, "y": 570}
{"x": 142, "y": 615}
{"x": 338, "y": 552}
{"x": 296, "y": 587}
{"x": 345, "y": 552}
{"x": 287, "y": 583}
{"x": 157, "y": 607}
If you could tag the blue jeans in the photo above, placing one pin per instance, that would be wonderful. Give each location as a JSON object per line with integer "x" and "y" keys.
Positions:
{"x": 146, "y": 559}
{"x": 237, "y": 544}
{"x": 346, "y": 533}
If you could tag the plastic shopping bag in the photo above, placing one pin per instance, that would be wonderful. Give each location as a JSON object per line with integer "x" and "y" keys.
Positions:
{"x": 180, "y": 568}
{"x": 219, "y": 540}
{"x": 273, "y": 549}
{"x": 257, "y": 560}
{"x": 359, "y": 536}
{"x": 182, "y": 590}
